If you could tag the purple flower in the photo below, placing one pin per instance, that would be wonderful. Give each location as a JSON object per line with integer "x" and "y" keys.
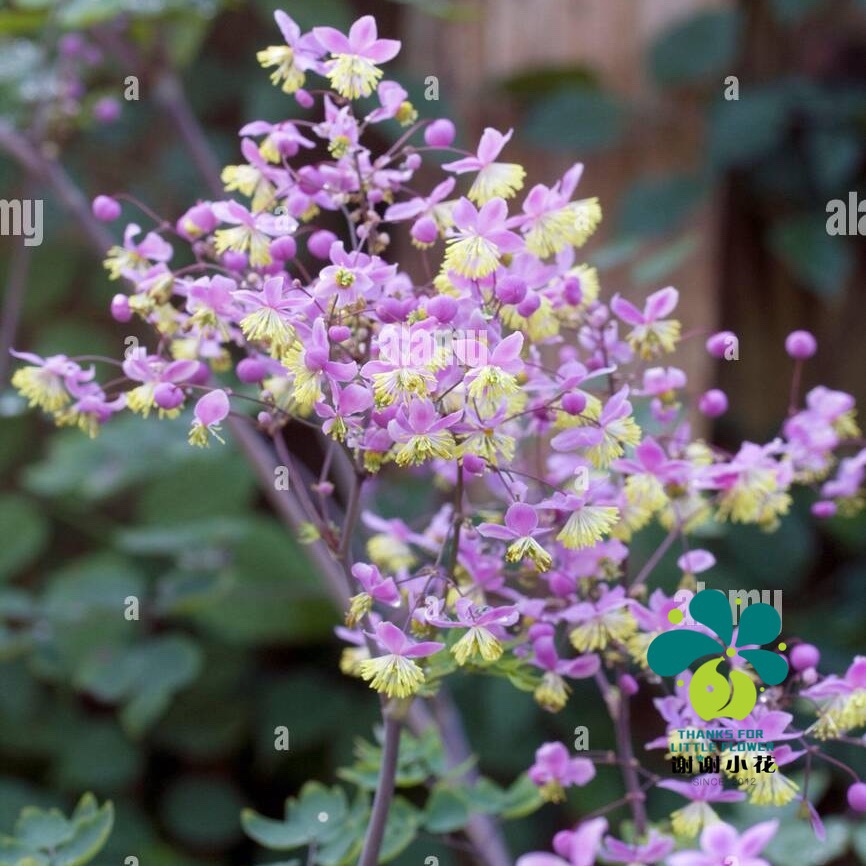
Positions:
{"x": 480, "y": 238}
{"x": 494, "y": 179}
{"x": 422, "y": 433}
{"x": 396, "y": 674}
{"x": 353, "y": 72}
{"x": 721, "y": 845}
{"x": 521, "y": 529}
{"x": 555, "y": 770}
{"x": 578, "y": 847}
{"x": 209, "y": 411}
{"x": 656, "y": 848}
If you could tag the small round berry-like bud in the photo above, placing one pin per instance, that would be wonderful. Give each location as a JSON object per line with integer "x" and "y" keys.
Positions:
{"x": 528, "y": 305}
{"x": 574, "y": 403}
{"x": 823, "y": 509}
{"x": 801, "y": 345}
{"x": 264, "y": 418}
{"x": 425, "y": 230}
{"x": 284, "y": 248}
{"x": 473, "y": 464}
{"x": 511, "y": 289}
{"x": 120, "y": 310}
{"x": 442, "y": 307}
{"x": 234, "y": 261}
{"x": 628, "y": 685}
{"x": 440, "y": 133}
{"x": 319, "y": 243}
{"x": 251, "y": 370}
{"x": 304, "y": 99}
{"x": 857, "y": 796}
{"x": 713, "y": 403}
{"x": 572, "y": 291}
{"x": 339, "y": 333}
{"x": 413, "y": 161}
{"x": 106, "y": 110}
{"x": 804, "y": 655}
{"x": 105, "y": 208}
{"x": 167, "y": 395}
{"x": 718, "y": 344}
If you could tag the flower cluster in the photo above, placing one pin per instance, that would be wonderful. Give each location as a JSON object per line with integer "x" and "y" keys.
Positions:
{"x": 555, "y": 429}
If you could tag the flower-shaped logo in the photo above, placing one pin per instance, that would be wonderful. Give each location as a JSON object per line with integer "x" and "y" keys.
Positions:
{"x": 711, "y": 694}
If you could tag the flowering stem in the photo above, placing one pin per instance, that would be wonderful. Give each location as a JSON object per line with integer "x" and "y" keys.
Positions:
{"x": 654, "y": 560}
{"x": 384, "y": 791}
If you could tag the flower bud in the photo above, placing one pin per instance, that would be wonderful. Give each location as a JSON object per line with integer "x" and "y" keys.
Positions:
{"x": 528, "y": 305}
{"x": 106, "y": 110}
{"x": 628, "y": 685}
{"x": 442, "y": 307}
{"x": 251, "y": 370}
{"x": 319, "y": 243}
{"x": 304, "y": 99}
{"x": 440, "y": 133}
{"x": 339, "y": 333}
{"x": 234, "y": 261}
{"x": 284, "y": 248}
{"x": 801, "y": 345}
{"x": 425, "y": 230}
{"x": 857, "y": 796}
{"x": 511, "y": 289}
{"x": 804, "y": 655}
{"x": 718, "y": 344}
{"x": 823, "y": 509}
{"x": 167, "y": 395}
{"x": 473, "y": 464}
{"x": 713, "y": 403}
{"x": 201, "y": 375}
{"x": 105, "y": 208}
{"x": 574, "y": 403}
{"x": 120, "y": 310}
{"x": 413, "y": 161}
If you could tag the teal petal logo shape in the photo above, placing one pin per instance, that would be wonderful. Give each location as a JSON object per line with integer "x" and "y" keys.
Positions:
{"x": 712, "y": 694}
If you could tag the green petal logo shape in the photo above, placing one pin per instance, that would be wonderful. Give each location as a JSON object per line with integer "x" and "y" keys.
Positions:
{"x": 712, "y": 694}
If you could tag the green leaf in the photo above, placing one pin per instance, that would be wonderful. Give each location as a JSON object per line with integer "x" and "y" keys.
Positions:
{"x": 318, "y": 815}
{"x": 487, "y": 797}
{"x": 92, "y": 829}
{"x": 521, "y": 799}
{"x": 576, "y": 119}
{"x": 745, "y": 130}
{"x": 203, "y": 812}
{"x": 821, "y": 261}
{"x": 400, "y": 830}
{"x": 23, "y": 534}
{"x": 658, "y": 205}
{"x": 445, "y": 811}
{"x": 43, "y": 830}
{"x": 702, "y": 46}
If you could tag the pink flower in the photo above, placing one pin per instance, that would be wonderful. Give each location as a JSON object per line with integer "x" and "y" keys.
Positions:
{"x": 555, "y": 770}
{"x": 721, "y": 845}
{"x": 208, "y": 412}
{"x": 578, "y": 847}
{"x": 656, "y": 848}
{"x": 480, "y": 238}
{"x": 494, "y": 178}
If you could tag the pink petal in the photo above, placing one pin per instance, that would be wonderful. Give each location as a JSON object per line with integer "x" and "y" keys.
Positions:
{"x": 287, "y": 26}
{"x": 492, "y": 142}
{"x": 521, "y": 518}
{"x": 332, "y": 40}
{"x": 626, "y": 311}
{"x": 212, "y": 408}
{"x": 755, "y": 839}
{"x": 363, "y": 33}
{"x": 661, "y": 303}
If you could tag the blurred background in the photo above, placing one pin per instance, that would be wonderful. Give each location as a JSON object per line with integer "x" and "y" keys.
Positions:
{"x": 714, "y": 134}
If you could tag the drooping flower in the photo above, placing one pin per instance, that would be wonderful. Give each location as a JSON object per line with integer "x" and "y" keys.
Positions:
{"x": 552, "y": 693}
{"x": 421, "y": 433}
{"x": 209, "y": 411}
{"x": 554, "y": 770}
{"x": 651, "y": 332}
{"x": 376, "y": 588}
{"x": 396, "y": 674}
{"x": 521, "y": 529}
{"x": 136, "y": 258}
{"x": 45, "y": 381}
{"x": 722, "y": 845}
{"x": 485, "y": 629}
{"x": 701, "y": 791}
{"x": 655, "y": 848}
{"x": 578, "y": 847}
{"x": 480, "y": 238}
{"x": 598, "y": 623}
{"x": 293, "y": 59}
{"x": 494, "y": 179}
{"x": 353, "y": 71}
